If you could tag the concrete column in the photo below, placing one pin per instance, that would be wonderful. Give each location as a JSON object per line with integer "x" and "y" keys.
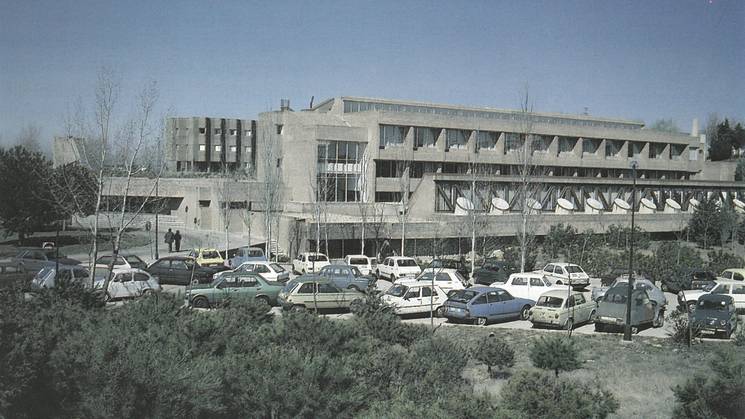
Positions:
{"x": 577, "y": 150}
{"x": 666, "y": 152}
{"x": 624, "y": 153}
{"x": 471, "y": 143}
{"x": 500, "y": 144}
{"x": 553, "y": 147}
{"x": 644, "y": 153}
{"x": 601, "y": 149}
{"x": 441, "y": 140}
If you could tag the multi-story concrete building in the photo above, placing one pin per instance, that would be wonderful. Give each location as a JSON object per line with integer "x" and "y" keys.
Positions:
{"x": 359, "y": 166}
{"x": 199, "y": 144}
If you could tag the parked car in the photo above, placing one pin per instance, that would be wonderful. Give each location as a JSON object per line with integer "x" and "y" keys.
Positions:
{"x": 529, "y": 285}
{"x": 733, "y": 274}
{"x": 207, "y": 257}
{"x": 306, "y": 263}
{"x": 611, "y": 311}
{"x": 231, "y": 285}
{"x": 347, "y": 276}
{"x": 485, "y": 304}
{"x": 493, "y": 270}
{"x": 312, "y": 292}
{"x": 361, "y": 262}
{"x": 123, "y": 260}
{"x": 696, "y": 279}
{"x": 736, "y": 289}
{"x": 246, "y": 254}
{"x": 126, "y": 283}
{"x": 609, "y": 276}
{"x": 555, "y": 309}
{"x": 396, "y": 267}
{"x": 566, "y": 273}
{"x": 654, "y": 293}
{"x": 182, "y": 270}
{"x": 715, "y": 314}
{"x": 31, "y": 260}
{"x": 47, "y": 276}
{"x": 268, "y": 270}
{"x": 458, "y": 265}
{"x": 415, "y": 298}
{"x": 447, "y": 279}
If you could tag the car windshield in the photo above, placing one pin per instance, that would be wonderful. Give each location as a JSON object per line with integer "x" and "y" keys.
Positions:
{"x": 44, "y": 272}
{"x": 278, "y": 269}
{"x": 210, "y": 254}
{"x": 615, "y": 297}
{"x": 255, "y": 253}
{"x": 134, "y": 260}
{"x": 397, "y": 290}
{"x": 573, "y": 269}
{"x": 427, "y": 276}
{"x": 447, "y": 264}
{"x": 356, "y": 272}
{"x": 711, "y": 305}
{"x": 709, "y": 287}
{"x": 216, "y": 281}
{"x": 546, "y": 301}
{"x": 358, "y": 261}
{"x": 464, "y": 296}
{"x": 289, "y": 286}
{"x": 406, "y": 263}
{"x": 317, "y": 258}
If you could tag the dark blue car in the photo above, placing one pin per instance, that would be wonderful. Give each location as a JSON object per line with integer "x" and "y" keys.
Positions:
{"x": 484, "y": 304}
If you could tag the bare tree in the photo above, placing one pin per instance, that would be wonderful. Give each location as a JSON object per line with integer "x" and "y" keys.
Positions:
{"x": 270, "y": 157}
{"x": 362, "y": 202}
{"x": 403, "y": 170}
{"x": 30, "y": 137}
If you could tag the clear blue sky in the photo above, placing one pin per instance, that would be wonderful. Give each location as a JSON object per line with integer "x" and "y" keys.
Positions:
{"x": 644, "y": 60}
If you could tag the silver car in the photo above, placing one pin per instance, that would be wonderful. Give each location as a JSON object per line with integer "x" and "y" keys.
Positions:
{"x": 611, "y": 311}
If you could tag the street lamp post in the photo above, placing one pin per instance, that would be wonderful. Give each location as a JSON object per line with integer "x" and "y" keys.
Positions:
{"x": 157, "y": 210}
{"x": 627, "y": 328}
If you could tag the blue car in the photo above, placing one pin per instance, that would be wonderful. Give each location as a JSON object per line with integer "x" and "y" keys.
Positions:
{"x": 484, "y": 304}
{"x": 246, "y": 254}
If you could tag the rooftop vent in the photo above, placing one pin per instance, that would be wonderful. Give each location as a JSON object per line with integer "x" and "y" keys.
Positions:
{"x": 284, "y": 104}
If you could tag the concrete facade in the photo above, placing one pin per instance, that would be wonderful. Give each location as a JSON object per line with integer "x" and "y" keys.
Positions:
{"x": 348, "y": 156}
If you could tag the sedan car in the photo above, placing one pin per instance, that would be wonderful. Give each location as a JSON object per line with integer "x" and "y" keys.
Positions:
{"x": 567, "y": 273}
{"x": 415, "y": 298}
{"x": 447, "y": 279}
{"x": 314, "y": 293}
{"x": 493, "y": 270}
{"x": 484, "y": 304}
{"x": 182, "y": 270}
{"x": 529, "y": 285}
{"x": 31, "y": 260}
{"x": 347, "y": 276}
{"x": 122, "y": 261}
{"x": 611, "y": 311}
{"x": 556, "y": 309}
{"x": 268, "y": 270}
{"x": 715, "y": 314}
{"x": 207, "y": 257}
{"x": 231, "y": 285}
{"x": 655, "y": 293}
{"x": 126, "y": 283}
{"x": 736, "y": 289}
{"x": 459, "y": 265}
{"x": 47, "y": 276}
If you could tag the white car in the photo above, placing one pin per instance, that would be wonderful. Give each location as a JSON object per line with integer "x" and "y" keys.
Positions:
{"x": 735, "y": 289}
{"x": 362, "y": 263}
{"x": 268, "y": 270}
{"x": 447, "y": 279}
{"x": 309, "y": 262}
{"x": 47, "y": 276}
{"x": 412, "y": 297}
{"x": 122, "y": 261}
{"x": 529, "y": 285}
{"x": 396, "y": 267}
{"x": 127, "y": 283}
{"x": 566, "y": 273}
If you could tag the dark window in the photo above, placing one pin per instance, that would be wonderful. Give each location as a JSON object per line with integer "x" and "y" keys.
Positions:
{"x": 480, "y": 300}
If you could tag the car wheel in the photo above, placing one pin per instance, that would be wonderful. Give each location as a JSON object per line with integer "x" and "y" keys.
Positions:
{"x": 593, "y": 316}
{"x": 691, "y": 306}
{"x": 569, "y": 325}
{"x": 525, "y": 313}
{"x": 634, "y": 330}
{"x": 659, "y": 321}
{"x": 146, "y": 293}
{"x": 664, "y": 287}
{"x": 440, "y": 312}
{"x": 559, "y": 282}
{"x": 393, "y": 278}
{"x": 353, "y": 288}
{"x": 481, "y": 321}
{"x": 106, "y": 297}
{"x": 298, "y": 309}
{"x": 200, "y": 302}
{"x": 263, "y": 300}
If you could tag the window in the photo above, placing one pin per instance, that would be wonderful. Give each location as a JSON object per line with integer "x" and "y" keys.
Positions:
{"x": 202, "y": 130}
{"x": 248, "y": 282}
{"x": 279, "y": 128}
{"x": 392, "y": 135}
{"x": 504, "y": 296}
{"x": 413, "y": 293}
{"x": 179, "y": 265}
{"x": 306, "y": 288}
{"x": 721, "y": 289}
{"x": 519, "y": 281}
{"x": 481, "y": 299}
{"x": 570, "y": 301}
{"x": 104, "y": 260}
{"x": 425, "y": 137}
{"x": 492, "y": 297}
{"x": 217, "y": 131}
{"x": 218, "y": 148}
{"x": 456, "y": 139}
{"x": 141, "y": 277}
{"x": 727, "y": 275}
{"x": 737, "y": 277}
{"x": 233, "y": 149}
{"x": 486, "y": 140}
{"x": 328, "y": 289}
{"x": 426, "y": 292}
{"x": 512, "y": 141}
{"x": 202, "y": 147}
{"x": 233, "y": 132}
{"x": 738, "y": 289}
{"x": 122, "y": 278}
{"x": 549, "y": 268}
{"x": 579, "y": 299}
{"x": 229, "y": 281}
{"x": 536, "y": 282}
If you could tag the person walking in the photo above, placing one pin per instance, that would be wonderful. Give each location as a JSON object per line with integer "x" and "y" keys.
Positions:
{"x": 169, "y": 240}
{"x": 177, "y": 239}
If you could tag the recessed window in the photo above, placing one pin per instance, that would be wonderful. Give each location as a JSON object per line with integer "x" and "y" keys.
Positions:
{"x": 233, "y": 149}
{"x": 217, "y": 131}
{"x": 218, "y": 148}
{"x": 233, "y": 132}
{"x": 279, "y": 128}
{"x": 248, "y": 150}
{"x": 202, "y": 130}
{"x": 247, "y": 133}
{"x": 202, "y": 147}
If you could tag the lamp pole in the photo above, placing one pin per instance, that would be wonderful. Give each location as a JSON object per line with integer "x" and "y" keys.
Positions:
{"x": 157, "y": 210}
{"x": 627, "y": 327}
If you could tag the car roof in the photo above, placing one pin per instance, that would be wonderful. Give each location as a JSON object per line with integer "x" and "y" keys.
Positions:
{"x": 484, "y": 289}
{"x": 559, "y": 293}
{"x": 357, "y": 256}
{"x": 189, "y": 258}
{"x": 206, "y": 249}
{"x": 528, "y": 275}
{"x": 313, "y": 253}
{"x": 126, "y": 270}
{"x": 729, "y": 281}
{"x": 312, "y": 278}
{"x": 562, "y": 264}
{"x": 401, "y": 257}
{"x": 738, "y": 270}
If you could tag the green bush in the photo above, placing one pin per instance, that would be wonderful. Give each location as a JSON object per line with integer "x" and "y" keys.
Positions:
{"x": 719, "y": 394}
{"x": 556, "y": 353}
{"x": 494, "y": 353}
{"x": 540, "y": 395}
{"x": 512, "y": 256}
{"x": 679, "y": 329}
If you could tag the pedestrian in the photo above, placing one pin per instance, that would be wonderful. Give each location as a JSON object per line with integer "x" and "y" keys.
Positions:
{"x": 177, "y": 239}
{"x": 169, "y": 240}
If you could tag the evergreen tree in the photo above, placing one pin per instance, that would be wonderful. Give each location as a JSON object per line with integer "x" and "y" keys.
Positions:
{"x": 704, "y": 225}
{"x": 555, "y": 353}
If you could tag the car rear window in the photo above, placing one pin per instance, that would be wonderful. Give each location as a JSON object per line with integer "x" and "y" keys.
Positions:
{"x": 210, "y": 255}
{"x": 358, "y": 261}
{"x": 546, "y": 301}
{"x": 317, "y": 258}
{"x": 406, "y": 263}
{"x": 278, "y": 269}
{"x": 255, "y": 253}
{"x": 134, "y": 260}
{"x": 573, "y": 269}
{"x": 464, "y": 296}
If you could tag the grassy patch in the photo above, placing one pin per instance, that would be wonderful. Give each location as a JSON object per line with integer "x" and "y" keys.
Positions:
{"x": 641, "y": 374}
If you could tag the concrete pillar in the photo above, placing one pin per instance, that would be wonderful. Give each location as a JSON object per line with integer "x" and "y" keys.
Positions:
{"x": 577, "y": 150}
{"x": 601, "y": 149}
{"x": 471, "y": 143}
{"x": 499, "y": 148}
{"x": 441, "y": 141}
{"x": 553, "y": 147}
{"x": 624, "y": 153}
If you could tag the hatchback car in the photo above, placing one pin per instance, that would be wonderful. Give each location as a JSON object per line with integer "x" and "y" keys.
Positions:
{"x": 314, "y": 293}
{"x": 415, "y": 298}
{"x": 122, "y": 261}
{"x": 126, "y": 283}
{"x": 447, "y": 279}
{"x": 232, "y": 285}
{"x": 484, "y": 304}
{"x": 361, "y": 262}
{"x": 557, "y": 309}
{"x": 47, "y": 276}
{"x": 309, "y": 263}
{"x": 246, "y": 254}
{"x": 207, "y": 257}
{"x": 611, "y": 311}
{"x": 493, "y": 270}
{"x": 567, "y": 273}
{"x": 715, "y": 314}
{"x": 268, "y": 270}
{"x": 347, "y": 276}
{"x": 182, "y": 270}
{"x": 31, "y": 260}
